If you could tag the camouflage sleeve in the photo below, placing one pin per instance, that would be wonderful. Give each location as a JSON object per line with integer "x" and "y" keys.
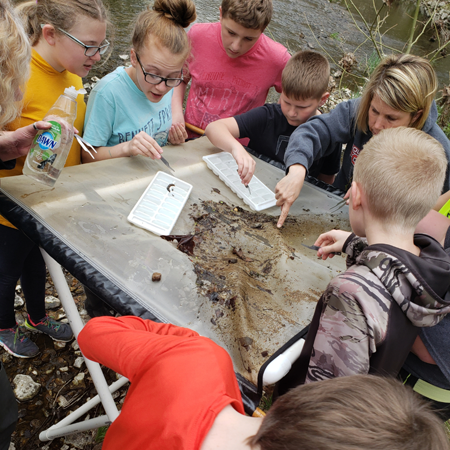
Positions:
{"x": 353, "y": 247}
{"x": 345, "y": 337}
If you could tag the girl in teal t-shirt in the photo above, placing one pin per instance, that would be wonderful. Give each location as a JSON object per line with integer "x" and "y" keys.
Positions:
{"x": 129, "y": 111}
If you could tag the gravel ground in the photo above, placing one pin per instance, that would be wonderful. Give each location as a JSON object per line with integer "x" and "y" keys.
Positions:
{"x": 63, "y": 379}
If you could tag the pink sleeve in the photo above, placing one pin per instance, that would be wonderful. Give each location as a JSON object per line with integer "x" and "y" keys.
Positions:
{"x": 123, "y": 343}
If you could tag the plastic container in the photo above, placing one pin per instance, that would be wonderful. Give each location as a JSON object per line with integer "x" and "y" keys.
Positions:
{"x": 50, "y": 148}
{"x": 282, "y": 364}
{"x": 258, "y": 197}
{"x": 160, "y": 205}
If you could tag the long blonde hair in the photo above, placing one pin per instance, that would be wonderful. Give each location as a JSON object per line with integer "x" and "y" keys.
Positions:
{"x": 15, "y": 55}
{"x": 404, "y": 82}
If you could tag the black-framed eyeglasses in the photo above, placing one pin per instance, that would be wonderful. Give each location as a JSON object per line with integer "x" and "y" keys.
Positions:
{"x": 89, "y": 50}
{"x": 156, "y": 79}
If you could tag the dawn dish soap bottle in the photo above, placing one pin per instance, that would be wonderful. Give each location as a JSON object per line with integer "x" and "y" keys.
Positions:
{"x": 50, "y": 148}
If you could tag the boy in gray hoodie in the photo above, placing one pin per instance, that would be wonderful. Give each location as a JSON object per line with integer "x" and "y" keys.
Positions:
{"x": 368, "y": 318}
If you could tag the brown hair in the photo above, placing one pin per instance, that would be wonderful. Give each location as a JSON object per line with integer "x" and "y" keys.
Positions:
{"x": 360, "y": 412}
{"x": 253, "y": 14}
{"x": 165, "y": 21}
{"x": 306, "y": 76}
{"x": 59, "y": 13}
{"x": 404, "y": 82}
{"x": 15, "y": 55}
{"x": 401, "y": 171}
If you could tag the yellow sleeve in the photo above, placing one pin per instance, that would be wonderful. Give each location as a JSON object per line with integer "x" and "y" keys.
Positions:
{"x": 43, "y": 89}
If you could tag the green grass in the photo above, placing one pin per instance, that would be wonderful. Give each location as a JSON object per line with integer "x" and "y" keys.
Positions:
{"x": 372, "y": 62}
{"x": 265, "y": 403}
{"x": 443, "y": 122}
{"x": 100, "y": 436}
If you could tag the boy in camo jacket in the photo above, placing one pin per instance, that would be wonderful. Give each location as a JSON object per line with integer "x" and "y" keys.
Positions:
{"x": 396, "y": 281}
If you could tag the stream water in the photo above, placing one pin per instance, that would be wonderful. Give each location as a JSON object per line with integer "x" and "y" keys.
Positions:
{"x": 322, "y": 25}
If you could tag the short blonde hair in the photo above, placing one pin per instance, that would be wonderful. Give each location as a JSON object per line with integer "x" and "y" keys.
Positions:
{"x": 406, "y": 83}
{"x": 165, "y": 21}
{"x": 15, "y": 55}
{"x": 359, "y": 412}
{"x": 59, "y": 13}
{"x": 401, "y": 171}
{"x": 252, "y": 14}
{"x": 306, "y": 76}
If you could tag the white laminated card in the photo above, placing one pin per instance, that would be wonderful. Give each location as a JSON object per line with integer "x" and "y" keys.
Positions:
{"x": 161, "y": 204}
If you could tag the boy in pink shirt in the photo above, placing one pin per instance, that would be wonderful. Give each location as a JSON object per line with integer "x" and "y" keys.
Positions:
{"x": 233, "y": 65}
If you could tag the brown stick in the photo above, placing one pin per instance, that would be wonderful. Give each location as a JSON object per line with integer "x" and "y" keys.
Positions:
{"x": 195, "y": 129}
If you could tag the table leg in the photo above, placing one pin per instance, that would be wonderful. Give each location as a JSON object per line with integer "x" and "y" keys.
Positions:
{"x": 77, "y": 325}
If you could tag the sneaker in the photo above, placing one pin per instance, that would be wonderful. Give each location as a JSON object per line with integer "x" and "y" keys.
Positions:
{"x": 56, "y": 330}
{"x": 14, "y": 341}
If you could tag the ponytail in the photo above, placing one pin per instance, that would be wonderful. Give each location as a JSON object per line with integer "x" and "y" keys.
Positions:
{"x": 166, "y": 22}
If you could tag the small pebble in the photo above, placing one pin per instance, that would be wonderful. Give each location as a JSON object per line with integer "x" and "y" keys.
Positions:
{"x": 156, "y": 276}
{"x": 78, "y": 362}
{"x": 59, "y": 345}
{"x": 59, "y": 315}
{"x": 18, "y": 301}
{"x": 25, "y": 387}
{"x": 52, "y": 302}
{"x": 78, "y": 382}
{"x": 62, "y": 401}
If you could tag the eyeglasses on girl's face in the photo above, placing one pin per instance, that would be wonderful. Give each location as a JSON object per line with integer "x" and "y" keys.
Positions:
{"x": 89, "y": 50}
{"x": 156, "y": 79}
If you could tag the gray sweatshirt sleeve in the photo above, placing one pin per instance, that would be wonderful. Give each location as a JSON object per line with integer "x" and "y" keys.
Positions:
{"x": 320, "y": 135}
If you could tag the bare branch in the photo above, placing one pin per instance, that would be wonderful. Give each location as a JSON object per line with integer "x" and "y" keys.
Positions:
{"x": 365, "y": 23}
{"x": 413, "y": 27}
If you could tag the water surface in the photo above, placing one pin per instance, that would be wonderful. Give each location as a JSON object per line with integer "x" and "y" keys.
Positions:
{"x": 298, "y": 24}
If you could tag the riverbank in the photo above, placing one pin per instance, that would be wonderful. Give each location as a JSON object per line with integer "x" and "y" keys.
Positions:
{"x": 439, "y": 10}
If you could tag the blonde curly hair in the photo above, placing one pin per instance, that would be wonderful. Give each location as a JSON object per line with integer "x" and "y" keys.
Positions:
{"x": 15, "y": 55}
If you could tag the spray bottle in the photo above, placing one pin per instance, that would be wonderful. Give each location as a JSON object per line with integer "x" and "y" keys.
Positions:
{"x": 50, "y": 148}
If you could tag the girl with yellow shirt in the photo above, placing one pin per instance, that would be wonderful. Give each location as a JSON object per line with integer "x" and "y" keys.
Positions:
{"x": 68, "y": 37}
